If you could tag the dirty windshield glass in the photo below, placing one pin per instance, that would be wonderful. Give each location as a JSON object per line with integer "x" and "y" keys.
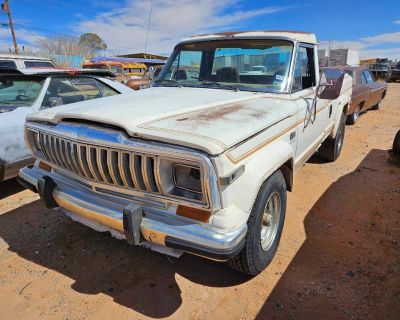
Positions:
{"x": 248, "y": 65}
{"x": 19, "y": 92}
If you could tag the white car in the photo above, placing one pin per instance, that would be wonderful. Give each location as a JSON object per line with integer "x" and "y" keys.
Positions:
{"x": 25, "y": 91}
{"x": 9, "y": 60}
{"x": 196, "y": 164}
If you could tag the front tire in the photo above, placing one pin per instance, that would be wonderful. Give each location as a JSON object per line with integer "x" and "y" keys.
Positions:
{"x": 264, "y": 227}
{"x": 331, "y": 148}
{"x": 396, "y": 144}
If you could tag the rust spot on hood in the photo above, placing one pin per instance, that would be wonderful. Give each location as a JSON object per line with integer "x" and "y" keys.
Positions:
{"x": 221, "y": 112}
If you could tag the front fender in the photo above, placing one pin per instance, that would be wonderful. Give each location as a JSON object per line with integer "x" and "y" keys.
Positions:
{"x": 242, "y": 192}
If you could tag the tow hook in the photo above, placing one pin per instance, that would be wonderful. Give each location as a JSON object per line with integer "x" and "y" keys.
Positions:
{"x": 45, "y": 186}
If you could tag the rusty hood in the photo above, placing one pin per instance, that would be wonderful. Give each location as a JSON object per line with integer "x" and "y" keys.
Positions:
{"x": 211, "y": 120}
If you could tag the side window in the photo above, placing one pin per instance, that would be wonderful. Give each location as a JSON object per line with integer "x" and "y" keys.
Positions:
{"x": 69, "y": 90}
{"x": 38, "y": 64}
{"x": 304, "y": 71}
{"x": 368, "y": 76}
{"x": 7, "y": 64}
{"x": 185, "y": 62}
{"x": 363, "y": 79}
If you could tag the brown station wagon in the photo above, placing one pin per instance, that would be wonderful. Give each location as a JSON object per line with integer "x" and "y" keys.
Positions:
{"x": 367, "y": 93}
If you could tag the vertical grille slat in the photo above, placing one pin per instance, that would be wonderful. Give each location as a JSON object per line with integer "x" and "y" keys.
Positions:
{"x": 55, "y": 153}
{"x": 75, "y": 157}
{"x": 137, "y": 167}
{"x": 82, "y": 155}
{"x": 148, "y": 174}
{"x": 117, "y": 167}
{"x": 69, "y": 155}
{"x": 94, "y": 163}
{"x": 49, "y": 148}
{"x": 43, "y": 146}
{"x": 90, "y": 163}
{"x": 100, "y": 166}
{"x": 64, "y": 155}
{"x": 121, "y": 169}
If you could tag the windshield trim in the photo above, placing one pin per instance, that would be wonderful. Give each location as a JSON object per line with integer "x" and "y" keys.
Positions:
{"x": 293, "y": 43}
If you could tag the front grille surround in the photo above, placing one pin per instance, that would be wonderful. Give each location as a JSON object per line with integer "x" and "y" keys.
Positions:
{"x": 111, "y": 166}
{"x": 142, "y": 179}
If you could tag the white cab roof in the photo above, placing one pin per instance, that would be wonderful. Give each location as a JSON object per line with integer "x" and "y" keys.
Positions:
{"x": 293, "y": 35}
{"x": 18, "y": 56}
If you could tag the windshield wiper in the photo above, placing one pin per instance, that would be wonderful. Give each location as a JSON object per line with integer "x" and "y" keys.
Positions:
{"x": 168, "y": 80}
{"x": 219, "y": 84}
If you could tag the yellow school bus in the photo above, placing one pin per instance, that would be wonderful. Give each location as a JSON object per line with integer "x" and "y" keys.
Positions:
{"x": 134, "y": 69}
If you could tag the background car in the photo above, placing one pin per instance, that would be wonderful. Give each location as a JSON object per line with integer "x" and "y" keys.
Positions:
{"x": 9, "y": 60}
{"x": 25, "y": 91}
{"x": 367, "y": 93}
{"x": 381, "y": 70}
{"x": 395, "y": 74}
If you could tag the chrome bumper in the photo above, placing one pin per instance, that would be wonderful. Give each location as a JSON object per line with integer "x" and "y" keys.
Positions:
{"x": 157, "y": 225}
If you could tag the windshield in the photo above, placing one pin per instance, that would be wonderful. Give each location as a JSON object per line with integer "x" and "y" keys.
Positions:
{"x": 20, "y": 92}
{"x": 248, "y": 65}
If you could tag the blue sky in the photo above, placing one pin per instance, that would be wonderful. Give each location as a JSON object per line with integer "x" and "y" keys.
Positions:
{"x": 371, "y": 26}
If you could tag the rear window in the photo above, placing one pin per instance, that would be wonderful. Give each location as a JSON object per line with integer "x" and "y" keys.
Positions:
{"x": 38, "y": 64}
{"x": 7, "y": 64}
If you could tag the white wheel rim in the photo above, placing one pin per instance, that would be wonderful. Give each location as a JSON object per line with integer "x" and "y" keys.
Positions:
{"x": 270, "y": 221}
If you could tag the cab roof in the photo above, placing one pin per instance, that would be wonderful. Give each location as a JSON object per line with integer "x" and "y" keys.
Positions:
{"x": 21, "y": 57}
{"x": 261, "y": 34}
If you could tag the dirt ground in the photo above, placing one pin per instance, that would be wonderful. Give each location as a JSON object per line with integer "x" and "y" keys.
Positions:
{"x": 339, "y": 256}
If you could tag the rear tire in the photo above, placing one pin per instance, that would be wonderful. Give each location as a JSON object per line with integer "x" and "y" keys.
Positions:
{"x": 396, "y": 143}
{"x": 352, "y": 118}
{"x": 331, "y": 148}
{"x": 264, "y": 227}
{"x": 377, "y": 106}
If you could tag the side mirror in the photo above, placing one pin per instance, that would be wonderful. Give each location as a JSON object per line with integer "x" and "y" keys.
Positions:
{"x": 330, "y": 83}
{"x": 55, "y": 102}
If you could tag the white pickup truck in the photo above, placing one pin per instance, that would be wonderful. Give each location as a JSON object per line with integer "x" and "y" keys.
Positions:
{"x": 196, "y": 164}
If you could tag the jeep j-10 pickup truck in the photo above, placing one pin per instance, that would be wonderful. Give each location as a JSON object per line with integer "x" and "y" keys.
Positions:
{"x": 197, "y": 163}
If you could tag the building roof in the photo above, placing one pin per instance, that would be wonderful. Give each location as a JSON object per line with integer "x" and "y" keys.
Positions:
{"x": 294, "y": 35}
{"x": 121, "y": 59}
{"x": 143, "y": 55}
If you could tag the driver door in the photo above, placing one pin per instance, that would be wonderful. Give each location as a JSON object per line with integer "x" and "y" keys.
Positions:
{"x": 313, "y": 114}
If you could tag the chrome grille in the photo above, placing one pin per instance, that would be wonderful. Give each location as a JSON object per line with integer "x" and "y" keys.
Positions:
{"x": 117, "y": 167}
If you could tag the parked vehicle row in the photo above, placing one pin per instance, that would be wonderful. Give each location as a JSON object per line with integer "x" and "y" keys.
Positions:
{"x": 367, "y": 92}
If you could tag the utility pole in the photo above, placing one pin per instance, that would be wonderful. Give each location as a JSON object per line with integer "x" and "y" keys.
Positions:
{"x": 6, "y": 7}
{"x": 148, "y": 27}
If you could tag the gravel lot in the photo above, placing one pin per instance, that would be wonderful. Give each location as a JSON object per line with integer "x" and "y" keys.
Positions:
{"x": 339, "y": 256}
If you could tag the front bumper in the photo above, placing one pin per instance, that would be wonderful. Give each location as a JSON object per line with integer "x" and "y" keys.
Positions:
{"x": 157, "y": 224}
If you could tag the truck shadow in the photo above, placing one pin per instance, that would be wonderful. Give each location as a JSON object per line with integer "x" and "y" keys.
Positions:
{"x": 348, "y": 266}
{"x": 349, "y": 251}
{"x": 134, "y": 277}
{"x": 9, "y": 187}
